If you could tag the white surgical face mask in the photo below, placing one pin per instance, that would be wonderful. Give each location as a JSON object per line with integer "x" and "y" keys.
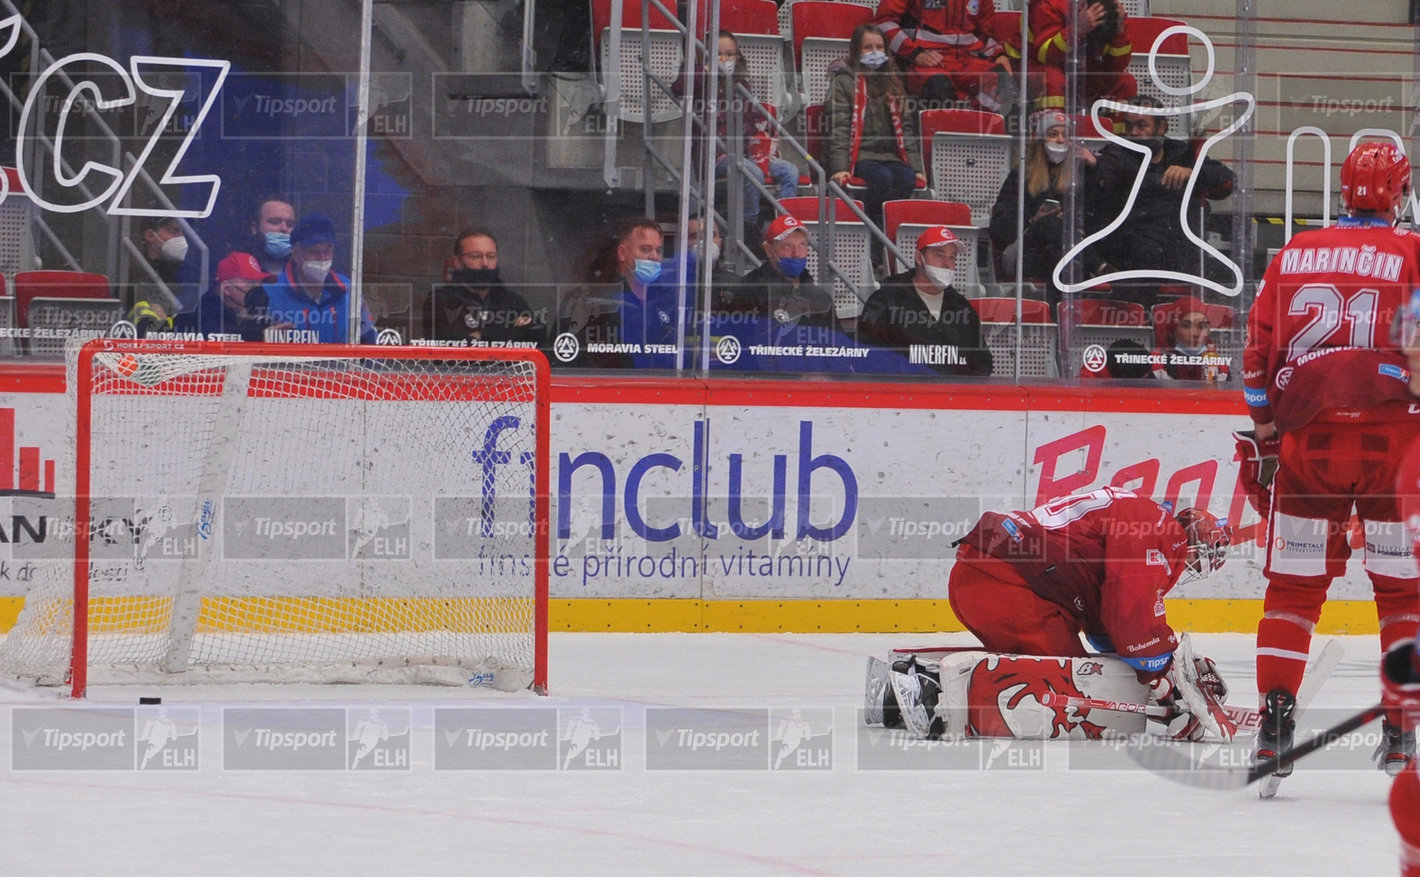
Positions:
{"x": 873, "y": 60}
{"x": 175, "y": 249}
{"x": 1193, "y": 351}
{"x": 1056, "y": 152}
{"x": 316, "y": 271}
{"x": 940, "y": 277}
{"x": 727, "y": 67}
{"x": 712, "y": 251}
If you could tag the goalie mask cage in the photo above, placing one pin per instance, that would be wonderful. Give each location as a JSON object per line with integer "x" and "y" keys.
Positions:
{"x": 296, "y": 513}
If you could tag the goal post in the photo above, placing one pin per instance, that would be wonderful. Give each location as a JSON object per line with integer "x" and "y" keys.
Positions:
{"x": 297, "y": 513}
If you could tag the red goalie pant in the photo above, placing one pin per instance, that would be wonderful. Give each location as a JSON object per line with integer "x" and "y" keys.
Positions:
{"x": 1405, "y": 811}
{"x": 1325, "y": 470}
{"x": 997, "y": 605}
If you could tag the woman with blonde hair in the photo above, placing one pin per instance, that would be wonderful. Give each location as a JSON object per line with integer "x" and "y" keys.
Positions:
{"x": 1047, "y": 171}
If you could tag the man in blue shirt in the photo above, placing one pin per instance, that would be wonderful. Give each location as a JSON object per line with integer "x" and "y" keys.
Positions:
{"x": 309, "y": 295}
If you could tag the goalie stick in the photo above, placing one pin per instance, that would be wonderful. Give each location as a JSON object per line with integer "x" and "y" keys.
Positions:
{"x": 1246, "y": 719}
{"x": 1176, "y": 762}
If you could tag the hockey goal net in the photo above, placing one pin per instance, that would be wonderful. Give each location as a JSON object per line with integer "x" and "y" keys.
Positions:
{"x": 296, "y": 513}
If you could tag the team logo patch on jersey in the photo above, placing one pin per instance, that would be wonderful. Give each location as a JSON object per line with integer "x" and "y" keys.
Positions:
{"x": 1388, "y": 370}
{"x": 1155, "y": 557}
{"x": 1283, "y": 378}
{"x": 973, "y": 7}
{"x": 1010, "y": 527}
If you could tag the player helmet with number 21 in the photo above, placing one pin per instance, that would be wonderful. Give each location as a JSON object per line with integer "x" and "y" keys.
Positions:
{"x": 1208, "y": 541}
{"x": 1375, "y": 178}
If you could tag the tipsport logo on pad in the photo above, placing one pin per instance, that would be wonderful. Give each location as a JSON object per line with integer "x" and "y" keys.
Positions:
{"x": 495, "y": 739}
{"x": 702, "y": 739}
{"x": 284, "y": 528}
{"x": 71, "y": 739}
{"x": 283, "y": 738}
{"x": 882, "y": 748}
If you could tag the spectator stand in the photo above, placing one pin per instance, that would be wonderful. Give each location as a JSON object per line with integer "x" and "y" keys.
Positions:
{"x": 968, "y": 155}
{"x": 755, "y": 24}
{"x": 627, "y": 51}
{"x": 17, "y": 247}
{"x": 1171, "y": 61}
{"x": 904, "y": 220}
{"x": 8, "y": 347}
{"x": 846, "y": 240}
{"x": 821, "y": 31}
{"x": 1102, "y": 321}
{"x": 1028, "y": 353}
{"x": 75, "y": 300}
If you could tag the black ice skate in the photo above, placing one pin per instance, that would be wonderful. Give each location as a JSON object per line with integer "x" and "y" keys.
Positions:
{"x": 1396, "y": 749}
{"x": 1275, "y": 736}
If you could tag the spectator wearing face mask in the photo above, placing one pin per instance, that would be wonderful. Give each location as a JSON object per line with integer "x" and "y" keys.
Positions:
{"x": 156, "y": 296}
{"x": 309, "y": 295}
{"x": 269, "y": 233}
{"x": 1047, "y": 171}
{"x": 872, "y": 132}
{"x": 1152, "y": 236}
{"x": 920, "y": 314}
{"x": 1187, "y": 349}
{"x": 476, "y": 308}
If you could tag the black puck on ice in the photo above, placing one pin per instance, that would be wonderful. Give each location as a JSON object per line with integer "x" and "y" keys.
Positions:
{"x": 149, "y": 701}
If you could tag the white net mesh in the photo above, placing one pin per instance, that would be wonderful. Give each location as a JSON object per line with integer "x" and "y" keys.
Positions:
{"x": 274, "y": 516}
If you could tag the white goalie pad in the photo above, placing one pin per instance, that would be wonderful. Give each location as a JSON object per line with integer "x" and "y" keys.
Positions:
{"x": 994, "y": 695}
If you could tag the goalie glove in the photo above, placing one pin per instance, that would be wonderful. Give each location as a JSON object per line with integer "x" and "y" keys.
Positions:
{"x": 1259, "y": 464}
{"x": 1194, "y": 697}
{"x": 1180, "y": 722}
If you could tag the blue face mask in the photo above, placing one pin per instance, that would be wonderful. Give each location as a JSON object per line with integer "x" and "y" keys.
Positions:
{"x": 793, "y": 267}
{"x": 647, "y": 270}
{"x": 873, "y": 60}
{"x": 278, "y": 244}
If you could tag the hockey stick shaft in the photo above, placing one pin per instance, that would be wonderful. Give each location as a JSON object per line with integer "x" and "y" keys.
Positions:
{"x": 1245, "y": 718}
{"x": 1320, "y": 741}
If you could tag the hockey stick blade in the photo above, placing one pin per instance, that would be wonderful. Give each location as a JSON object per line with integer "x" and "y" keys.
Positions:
{"x": 1178, "y": 763}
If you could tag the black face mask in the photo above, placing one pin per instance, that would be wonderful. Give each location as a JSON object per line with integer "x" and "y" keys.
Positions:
{"x": 1155, "y": 143}
{"x": 479, "y": 278}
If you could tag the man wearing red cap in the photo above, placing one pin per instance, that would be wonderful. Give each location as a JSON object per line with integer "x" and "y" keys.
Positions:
{"x": 781, "y": 291}
{"x": 920, "y": 314}
{"x": 236, "y": 306}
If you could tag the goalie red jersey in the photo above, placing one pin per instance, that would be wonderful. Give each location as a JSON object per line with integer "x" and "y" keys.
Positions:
{"x": 1338, "y": 287}
{"x": 1100, "y": 561}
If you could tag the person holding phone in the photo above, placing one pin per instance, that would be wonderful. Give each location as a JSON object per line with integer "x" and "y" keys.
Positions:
{"x": 1047, "y": 172}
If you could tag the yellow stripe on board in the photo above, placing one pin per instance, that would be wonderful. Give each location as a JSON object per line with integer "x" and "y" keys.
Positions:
{"x": 304, "y": 615}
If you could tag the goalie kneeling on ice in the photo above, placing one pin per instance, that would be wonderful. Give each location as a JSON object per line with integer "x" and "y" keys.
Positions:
{"x": 992, "y": 695}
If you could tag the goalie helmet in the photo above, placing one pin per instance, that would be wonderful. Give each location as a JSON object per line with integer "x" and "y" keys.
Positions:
{"x": 1208, "y": 541}
{"x": 1375, "y": 178}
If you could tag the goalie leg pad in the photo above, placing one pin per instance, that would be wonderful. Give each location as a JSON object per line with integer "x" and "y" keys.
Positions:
{"x": 917, "y": 695}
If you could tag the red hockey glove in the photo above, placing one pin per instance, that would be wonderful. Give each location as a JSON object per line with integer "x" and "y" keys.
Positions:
{"x": 1259, "y": 464}
{"x": 1210, "y": 680}
{"x": 1400, "y": 678}
{"x": 1180, "y": 722}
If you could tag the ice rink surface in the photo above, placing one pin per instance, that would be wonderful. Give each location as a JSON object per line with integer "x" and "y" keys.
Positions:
{"x": 829, "y": 815}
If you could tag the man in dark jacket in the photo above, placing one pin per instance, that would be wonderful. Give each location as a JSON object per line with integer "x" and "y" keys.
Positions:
{"x": 1152, "y": 235}
{"x": 477, "y": 308}
{"x": 921, "y": 315}
{"x": 781, "y": 290}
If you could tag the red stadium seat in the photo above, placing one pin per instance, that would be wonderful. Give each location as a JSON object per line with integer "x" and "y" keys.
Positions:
{"x": 30, "y": 285}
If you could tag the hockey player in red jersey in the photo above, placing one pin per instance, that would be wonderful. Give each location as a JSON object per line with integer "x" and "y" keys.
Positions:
{"x": 1328, "y": 395}
{"x": 1400, "y": 668}
{"x": 948, "y": 47}
{"x": 1030, "y": 582}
